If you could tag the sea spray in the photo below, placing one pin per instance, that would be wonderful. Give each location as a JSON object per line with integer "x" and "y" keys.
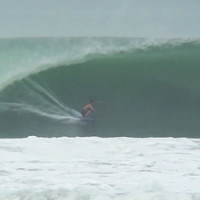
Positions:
{"x": 41, "y": 102}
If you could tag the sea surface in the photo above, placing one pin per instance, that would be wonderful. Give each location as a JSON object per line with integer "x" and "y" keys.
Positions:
{"x": 144, "y": 142}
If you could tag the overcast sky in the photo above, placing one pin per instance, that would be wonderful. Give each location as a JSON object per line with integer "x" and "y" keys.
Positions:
{"x": 133, "y": 18}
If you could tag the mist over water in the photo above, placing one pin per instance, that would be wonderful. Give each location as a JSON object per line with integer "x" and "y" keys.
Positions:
{"x": 128, "y": 18}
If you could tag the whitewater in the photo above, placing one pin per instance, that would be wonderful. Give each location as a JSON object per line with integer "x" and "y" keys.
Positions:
{"x": 99, "y": 168}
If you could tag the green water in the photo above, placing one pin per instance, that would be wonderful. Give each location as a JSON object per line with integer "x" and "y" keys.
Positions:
{"x": 145, "y": 93}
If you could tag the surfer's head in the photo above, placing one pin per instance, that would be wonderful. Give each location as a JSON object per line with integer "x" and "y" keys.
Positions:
{"x": 92, "y": 101}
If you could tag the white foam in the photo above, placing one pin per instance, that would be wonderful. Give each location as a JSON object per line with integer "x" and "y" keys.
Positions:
{"x": 43, "y": 103}
{"x": 100, "y": 168}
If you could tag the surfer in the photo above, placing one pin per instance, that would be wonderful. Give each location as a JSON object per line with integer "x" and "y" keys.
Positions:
{"x": 87, "y": 109}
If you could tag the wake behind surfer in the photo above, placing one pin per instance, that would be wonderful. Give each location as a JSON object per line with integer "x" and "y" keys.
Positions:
{"x": 87, "y": 109}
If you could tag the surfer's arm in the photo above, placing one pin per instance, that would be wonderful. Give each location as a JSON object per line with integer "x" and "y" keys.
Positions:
{"x": 98, "y": 101}
{"x": 92, "y": 108}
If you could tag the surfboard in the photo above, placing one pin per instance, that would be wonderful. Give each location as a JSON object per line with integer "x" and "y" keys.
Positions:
{"x": 86, "y": 119}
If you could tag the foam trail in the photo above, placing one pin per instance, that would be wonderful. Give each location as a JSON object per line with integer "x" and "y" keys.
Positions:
{"x": 42, "y": 103}
{"x": 37, "y": 87}
{"x": 32, "y": 109}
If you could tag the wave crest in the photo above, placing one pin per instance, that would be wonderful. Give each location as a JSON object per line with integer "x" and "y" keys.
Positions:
{"x": 22, "y": 57}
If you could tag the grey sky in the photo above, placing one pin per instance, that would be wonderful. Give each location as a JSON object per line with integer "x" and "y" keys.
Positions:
{"x": 134, "y": 18}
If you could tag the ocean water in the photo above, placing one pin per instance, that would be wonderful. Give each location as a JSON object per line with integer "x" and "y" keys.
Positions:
{"x": 149, "y": 88}
{"x": 144, "y": 143}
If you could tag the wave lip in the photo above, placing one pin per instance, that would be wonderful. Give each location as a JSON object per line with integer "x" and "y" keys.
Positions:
{"x": 21, "y": 57}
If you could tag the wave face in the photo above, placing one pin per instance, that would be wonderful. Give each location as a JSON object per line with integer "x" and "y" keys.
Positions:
{"x": 147, "y": 87}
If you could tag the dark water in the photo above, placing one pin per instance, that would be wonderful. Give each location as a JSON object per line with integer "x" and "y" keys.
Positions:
{"x": 151, "y": 92}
